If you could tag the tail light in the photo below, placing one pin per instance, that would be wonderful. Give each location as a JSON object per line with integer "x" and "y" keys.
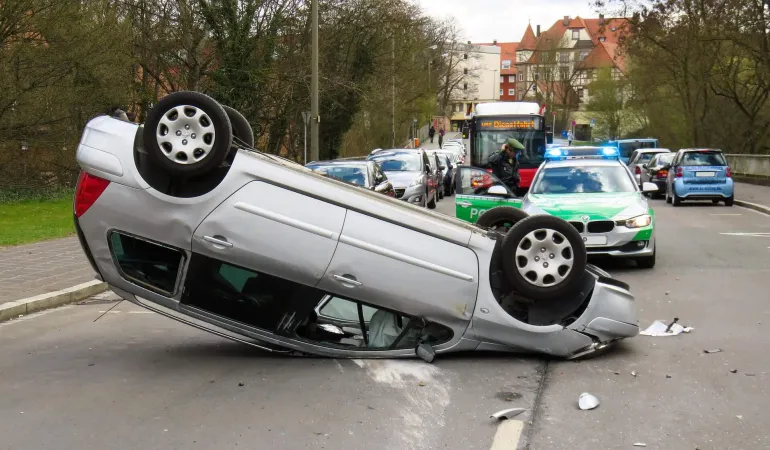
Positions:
{"x": 88, "y": 191}
{"x": 637, "y": 170}
{"x": 679, "y": 172}
{"x": 489, "y": 170}
{"x": 729, "y": 172}
{"x": 662, "y": 173}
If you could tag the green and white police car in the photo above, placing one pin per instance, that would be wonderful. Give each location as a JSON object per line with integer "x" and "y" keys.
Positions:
{"x": 586, "y": 186}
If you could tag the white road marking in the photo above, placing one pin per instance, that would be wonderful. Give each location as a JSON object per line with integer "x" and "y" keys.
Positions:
{"x": 726, "y": 214}
{"x": 507, "y": 435}
{"x": 33, "y": 316}
{"x": 129, "y": 312}
{"x": 760, "y": 234}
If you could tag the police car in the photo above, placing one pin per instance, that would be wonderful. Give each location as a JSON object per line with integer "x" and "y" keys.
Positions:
{"x": 587, "y": 186}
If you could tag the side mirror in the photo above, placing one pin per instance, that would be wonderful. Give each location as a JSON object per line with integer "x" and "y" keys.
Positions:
{"x": 644, "y": 165}
{"x": 498, "y": 190}
{"x": 649, "y": 187}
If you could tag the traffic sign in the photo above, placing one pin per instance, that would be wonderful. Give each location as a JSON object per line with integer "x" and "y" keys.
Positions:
{"x": 593, "y": 122}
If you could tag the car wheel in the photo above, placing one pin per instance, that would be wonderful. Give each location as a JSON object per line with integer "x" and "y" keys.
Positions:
{"x": 730, "y": 200}
{"x": 501, "y": 218}
{"x": 544, "y": 257}
{"x": 647, "y": 262}
{"x": 187, "y": 134}
{"x": 668, "y": 198}
{"x": 677, "y": 200}
{"x": 432, "y": 203}
{"x": 243, "y": 135}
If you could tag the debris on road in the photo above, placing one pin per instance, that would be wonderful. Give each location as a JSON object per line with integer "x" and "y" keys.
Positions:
{"x": 739, "y": 417}
{"x": 716, "y": 350}
{"x": 240, "y": 384}
{"x": 668, "y": 376}
{"x": 508, "y": 396}
{"x": 422, "y": 383}
{"x": 633, "y": 373}
{"x": 507, "y": 413}
{"x": 659, "y": 328}
{"x": 733, "y": 370}
{"x": 640, "y": 444}
{"x": 587, "y": 401}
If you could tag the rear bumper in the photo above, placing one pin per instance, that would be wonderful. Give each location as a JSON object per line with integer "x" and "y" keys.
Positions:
{"x": 704, "y": 191}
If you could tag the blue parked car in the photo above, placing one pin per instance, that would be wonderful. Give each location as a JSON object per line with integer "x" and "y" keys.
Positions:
{"x": 699, "y": 174}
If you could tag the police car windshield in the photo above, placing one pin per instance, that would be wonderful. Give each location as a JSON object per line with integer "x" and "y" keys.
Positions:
{"x": 398, "y": 162}
{"x": 583, "y": 180}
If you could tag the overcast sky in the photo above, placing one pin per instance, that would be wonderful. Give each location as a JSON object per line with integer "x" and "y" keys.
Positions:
{"x": 504, "y": 20}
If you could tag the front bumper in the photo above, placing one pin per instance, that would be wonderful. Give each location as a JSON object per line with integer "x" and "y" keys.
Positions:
{"x": 621, "y": 241}
{"x": 631, "y": 249}
{"x": 413, "y": 194}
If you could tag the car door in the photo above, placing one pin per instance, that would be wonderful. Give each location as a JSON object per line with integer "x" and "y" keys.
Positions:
{"x": 472, "y": 198}
{"x": 272, "y": 230}
{"x": 385, "y": 264}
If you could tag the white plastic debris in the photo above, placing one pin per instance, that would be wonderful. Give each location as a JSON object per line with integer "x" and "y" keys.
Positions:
{"x": 658, "y": 328}
{"x": 640, "y": 444}
{"x": 507, "y": 413}
{"x": 587, "y": 401}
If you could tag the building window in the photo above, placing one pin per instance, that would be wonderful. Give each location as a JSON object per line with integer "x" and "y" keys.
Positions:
{"x": 602, "y": 39}
{"x": 575, "y": 34}
{"x": 580, "y": 92}
{"x": 502, "y": 79}
{"x": 583, "y": 55}
{"x": 564, "y": 57}
{"x": 501, "y": 92}
{"x": 511, "y": 92}
{"x": 511, "y": 78}
{"x": 465, "y": 71}
{"x": 465, "y": 56}
{"x": 521, "y": 77}
{"x": 465, "y": 86}
{"x": 506, "y": 64}
{"x": 614, "y": 28}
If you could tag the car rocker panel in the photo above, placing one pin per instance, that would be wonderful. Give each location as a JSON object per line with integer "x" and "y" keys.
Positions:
{"x": 609, "y": 223}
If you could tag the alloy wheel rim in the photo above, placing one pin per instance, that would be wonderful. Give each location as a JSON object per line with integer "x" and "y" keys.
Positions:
{"x": 544, "y": 257}
{"x": 185, "y": 134}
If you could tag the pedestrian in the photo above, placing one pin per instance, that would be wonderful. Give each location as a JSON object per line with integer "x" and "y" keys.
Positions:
{"x": 431, "y": 133}
{"x": 505, "y": 165}
{"x": 441, "y": 137}
{"x": 570, "y": 137}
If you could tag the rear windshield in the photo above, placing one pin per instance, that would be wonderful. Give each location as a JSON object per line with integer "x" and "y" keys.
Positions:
{"x": 665, "y": 158}
{"x": 646, "y": 157}
{"x": 705, "y": 158}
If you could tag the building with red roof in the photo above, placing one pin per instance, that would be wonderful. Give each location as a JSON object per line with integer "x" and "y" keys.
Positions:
{"x": 561, "y": 62}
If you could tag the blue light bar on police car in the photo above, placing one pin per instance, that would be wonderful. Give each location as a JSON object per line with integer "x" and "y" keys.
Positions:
{"x": 605, "y": 152}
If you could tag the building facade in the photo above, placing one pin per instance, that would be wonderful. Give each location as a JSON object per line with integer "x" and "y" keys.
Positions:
{"x": 480, "y": 69}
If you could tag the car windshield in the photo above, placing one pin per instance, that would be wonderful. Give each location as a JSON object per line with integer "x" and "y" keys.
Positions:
{"x": 351, "y": 174}
{"x": 664, "y": 158}
{"x": 398, "y": 162}
{"x": 583, "y": 180}
{"x": 703, "y": 158}
{"x": 489, "y": 142}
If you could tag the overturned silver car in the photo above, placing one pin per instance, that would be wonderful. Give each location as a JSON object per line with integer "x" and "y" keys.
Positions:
{"x": 182, "y": 216}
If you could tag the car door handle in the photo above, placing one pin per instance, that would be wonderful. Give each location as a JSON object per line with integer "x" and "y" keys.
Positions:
{"x": 217, "y": 241}
{"x": 465, "y": 204}
{"x": 346, "y": 280}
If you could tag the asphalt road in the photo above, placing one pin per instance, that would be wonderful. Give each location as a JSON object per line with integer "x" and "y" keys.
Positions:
{"x": 137, "y": 380}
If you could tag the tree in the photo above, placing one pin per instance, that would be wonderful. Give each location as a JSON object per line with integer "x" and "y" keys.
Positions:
{"x": 607, "y": 103}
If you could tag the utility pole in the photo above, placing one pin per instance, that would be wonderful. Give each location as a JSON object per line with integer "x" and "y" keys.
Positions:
{"x": 314, "y": 118}
{"x": 393, "y": 93}
{"x": 305, "y": 120}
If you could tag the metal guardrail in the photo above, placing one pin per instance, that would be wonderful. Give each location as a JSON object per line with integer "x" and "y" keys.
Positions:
{"x": 750, "y": 165}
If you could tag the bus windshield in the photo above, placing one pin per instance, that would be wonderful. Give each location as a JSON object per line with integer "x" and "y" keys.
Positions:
{"x": 487, "y": 142}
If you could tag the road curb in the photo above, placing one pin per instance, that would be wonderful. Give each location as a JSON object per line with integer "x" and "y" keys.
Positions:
{"x": 29, "y": 305}
{"x": 756, "y": 207}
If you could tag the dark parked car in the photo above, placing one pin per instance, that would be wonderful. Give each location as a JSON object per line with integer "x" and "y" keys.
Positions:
{"x": 656, "y": 171}
{"x": 358, "y": 171}
{"x": 450, "y": 160}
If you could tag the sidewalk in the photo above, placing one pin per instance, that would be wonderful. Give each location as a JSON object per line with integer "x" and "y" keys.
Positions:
{"x": 426, "y": 144}
{"x": 41, "y": 268}
{"x": 753, "y": 196}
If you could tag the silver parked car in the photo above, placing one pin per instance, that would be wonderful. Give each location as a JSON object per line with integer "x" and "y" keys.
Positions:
{"x": 410, "y": 172}
{"x": 640, "y": 157}
{"x": 182, "y": 216}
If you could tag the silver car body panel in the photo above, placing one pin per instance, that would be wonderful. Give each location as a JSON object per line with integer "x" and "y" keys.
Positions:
{"x": 266, "y": 211}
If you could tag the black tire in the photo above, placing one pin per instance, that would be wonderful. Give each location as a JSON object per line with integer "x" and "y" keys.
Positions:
{"x": 677, "y": 201}
{"x": 519, "y": 235}
{"x": 243, "y": 135}
{"x": 432, "y": 203}
{"x": 501, "y": 218}
{"x": 647, "y": 262}
{"x": 729, "y": 201}
{"x": 217, "y": 125}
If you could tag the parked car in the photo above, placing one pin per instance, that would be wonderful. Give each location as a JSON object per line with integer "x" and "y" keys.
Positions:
{"x": 700, "y": 174}
{"x": 358, "y": 171}
{"x": 627, "y": 146}
{"x": 409, "y": 171}
{"x": 437, "y": 170}
{"x": 640, "y": 157}
{"x": 178, "y": 219}
{"x": 656, "y": 171}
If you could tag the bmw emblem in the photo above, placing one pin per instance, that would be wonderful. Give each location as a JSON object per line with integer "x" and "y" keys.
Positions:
{"x": 585, "y": 219}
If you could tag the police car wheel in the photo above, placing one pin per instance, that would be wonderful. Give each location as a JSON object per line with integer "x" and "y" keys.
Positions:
{"x": 544, "y": 257}
{"x": 501, "y": 218}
